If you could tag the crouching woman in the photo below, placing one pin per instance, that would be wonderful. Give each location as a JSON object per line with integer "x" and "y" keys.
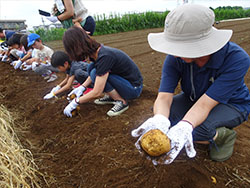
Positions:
{"x": 111, "y": 71}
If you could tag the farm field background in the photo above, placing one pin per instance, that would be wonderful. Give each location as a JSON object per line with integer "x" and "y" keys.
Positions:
{"x": 94, "y": 150}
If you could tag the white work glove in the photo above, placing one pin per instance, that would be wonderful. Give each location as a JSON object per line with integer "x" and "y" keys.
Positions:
{"x": 53, "y": 19}
{"x": 157, "y": 122}
{"x": 12, "y": 63}
{"x": 180, "y": 135}
{"x": 4, "y": 47}
{"x": 51, "y": 94}
{"x": 77, "y": 91}
{"x": 4, "y": 58}
{"x": 34, "y": 65}
{"x": 25, "y": 67}
{"x": 54, "y": 89}
{"x": 17, "y": 64}
{"x": 70, "y": 107}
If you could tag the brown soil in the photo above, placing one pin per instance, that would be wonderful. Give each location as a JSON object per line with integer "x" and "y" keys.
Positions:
{"x": 94, "y": 150}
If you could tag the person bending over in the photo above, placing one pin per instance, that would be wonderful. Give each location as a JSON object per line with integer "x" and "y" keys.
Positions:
{"x": 112, "y": 71}
{"x": 75, "y": 70}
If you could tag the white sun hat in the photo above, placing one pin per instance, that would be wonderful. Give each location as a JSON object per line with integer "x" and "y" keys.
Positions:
{"x": 189, "y": 33}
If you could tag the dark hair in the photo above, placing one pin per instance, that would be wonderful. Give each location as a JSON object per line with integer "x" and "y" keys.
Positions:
{"x": 14, "y": 39}
{"x": 24, "y": 42}
{"x": 78, "y": 44}
{"x": 1, "y": 30}
{"x": 59, "y": 58}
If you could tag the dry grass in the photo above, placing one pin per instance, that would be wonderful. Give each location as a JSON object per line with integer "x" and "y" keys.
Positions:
{"x": 17, "y": 167}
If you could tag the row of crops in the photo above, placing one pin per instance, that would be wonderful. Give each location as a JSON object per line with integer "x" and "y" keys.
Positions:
{"x": 136, "y": 21}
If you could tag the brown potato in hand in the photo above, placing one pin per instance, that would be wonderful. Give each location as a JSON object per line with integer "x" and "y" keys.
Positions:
{"x": 155, "y": 143}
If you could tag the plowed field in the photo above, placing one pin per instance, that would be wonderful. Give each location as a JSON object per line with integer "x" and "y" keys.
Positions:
{"x": 94, "y": 150}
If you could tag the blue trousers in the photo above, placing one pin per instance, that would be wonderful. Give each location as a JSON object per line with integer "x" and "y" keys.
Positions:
{"x": 222, "y": 115}
{"x": 89, "y": 25}
{"x": 125, "y": 89}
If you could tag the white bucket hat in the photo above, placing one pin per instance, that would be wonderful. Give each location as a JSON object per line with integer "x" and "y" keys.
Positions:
{"x": 189, "y": 33}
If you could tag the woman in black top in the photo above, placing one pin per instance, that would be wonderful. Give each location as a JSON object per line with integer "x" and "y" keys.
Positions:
{"x": 112, "y": 71}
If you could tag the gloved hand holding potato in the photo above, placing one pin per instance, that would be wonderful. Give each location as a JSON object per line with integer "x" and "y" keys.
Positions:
{"x": 180, "y": 136}
{"x": 153, "y": 139}
{"x": 161, "y": 143}
{"x": 25, "y": 66}
{"x": 77, "y": 91}
{"x": 69, "y": 110}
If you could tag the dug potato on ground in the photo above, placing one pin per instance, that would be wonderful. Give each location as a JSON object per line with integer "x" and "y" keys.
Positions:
{"x": 23, "y": 66}
{"x": 72, "y": 96}
{"x": 76, "y": 111}
{"x": 155, "y": 143}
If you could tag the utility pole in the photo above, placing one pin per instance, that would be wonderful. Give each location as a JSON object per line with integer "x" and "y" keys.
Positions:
{"x": 43, "y": 21}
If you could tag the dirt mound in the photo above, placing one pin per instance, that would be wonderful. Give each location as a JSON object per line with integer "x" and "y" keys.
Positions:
{"x": 94, "y": 150}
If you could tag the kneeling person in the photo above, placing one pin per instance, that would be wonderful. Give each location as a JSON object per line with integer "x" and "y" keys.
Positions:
{"x": 112, "y": 71}
{"x": 75, "y": 70}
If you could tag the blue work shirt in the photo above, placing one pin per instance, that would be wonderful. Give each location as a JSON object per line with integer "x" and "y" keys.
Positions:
{"x": 221, "y": 78}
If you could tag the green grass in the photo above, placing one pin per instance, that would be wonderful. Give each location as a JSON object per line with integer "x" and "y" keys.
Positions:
{"x": 128, "y": 22}
{"x": 116, "y": 23}
{"x": 50, "y": 34}
{"x": 224, "y": 13}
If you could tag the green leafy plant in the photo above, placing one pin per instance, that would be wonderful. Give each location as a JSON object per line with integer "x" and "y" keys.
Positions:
{"x": 115, "y": 23}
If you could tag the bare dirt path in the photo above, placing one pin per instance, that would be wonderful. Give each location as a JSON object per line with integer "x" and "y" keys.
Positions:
{"x": 94, "y": 150}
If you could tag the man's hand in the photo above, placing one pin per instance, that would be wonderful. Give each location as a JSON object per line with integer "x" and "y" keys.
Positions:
{"x": 180, "y": 136}
{"x": 70, "y": 107}
{"x": 157, "y": 122}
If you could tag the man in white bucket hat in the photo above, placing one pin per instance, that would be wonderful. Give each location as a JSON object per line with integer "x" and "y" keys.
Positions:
{"x": 211, "y": 70}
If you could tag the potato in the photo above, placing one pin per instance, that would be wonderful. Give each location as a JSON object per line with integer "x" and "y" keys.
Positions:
{"x": 155, "y": 143}
{"x": 76, "y": 111}
{"x": 72, "y": 96}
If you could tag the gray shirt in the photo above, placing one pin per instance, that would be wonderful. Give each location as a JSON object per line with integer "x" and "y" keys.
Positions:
{"x": 75, "y": 65}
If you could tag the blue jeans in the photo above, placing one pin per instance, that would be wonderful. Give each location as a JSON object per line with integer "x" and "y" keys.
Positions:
{"x": 121, "y": 85}
{"x": 222, "y": 115}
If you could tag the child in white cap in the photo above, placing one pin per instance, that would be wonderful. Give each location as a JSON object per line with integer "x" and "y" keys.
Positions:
{"x": 41, "y": 59}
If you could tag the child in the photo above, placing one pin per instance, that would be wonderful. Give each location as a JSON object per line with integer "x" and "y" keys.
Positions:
{"x": 15, "y": 49}
{"x": 5, "y": 34}
{"x": 19, "y": 49}
{"x": 28, "y": 52}
{"x": 75, "y": 70}
{"x": 41, "y": 60}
